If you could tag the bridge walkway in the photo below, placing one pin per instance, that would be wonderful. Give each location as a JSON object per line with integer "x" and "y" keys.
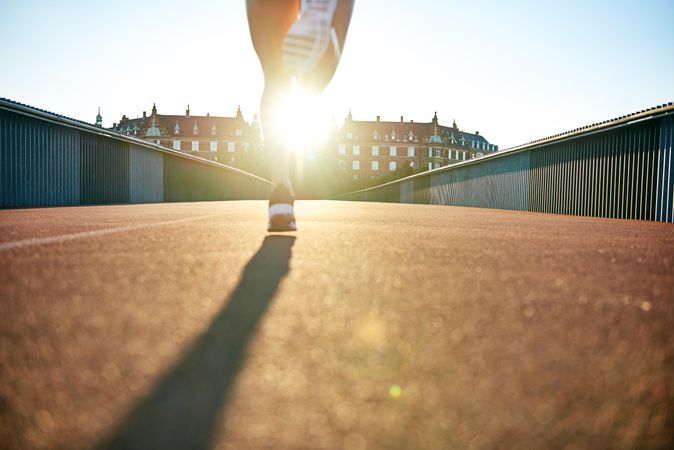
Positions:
{"x": 375, "y": 326}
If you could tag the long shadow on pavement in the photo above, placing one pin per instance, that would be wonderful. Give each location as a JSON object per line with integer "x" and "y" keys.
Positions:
{"x": 183, "y": 410}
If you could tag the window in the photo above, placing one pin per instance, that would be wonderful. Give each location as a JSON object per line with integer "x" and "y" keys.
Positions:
{"x": 375, "y": 150}
{"x": 195, "y": 146}
{"x": 410, "y": 152}
{"x": 464, "y": 155}
{"x": 436, "y": 165}
{"x": 437, "y": 152}
{"x": 341, "y": 164}
{"x": 349, "y": 135}
{"x": 158, "y": 142}
{"x": 355, "y": 165}
{"x": 430, "y": 165}
{"x": 231, "y": 147}
{"x": 430, "y": 151}
{"x": 342, "y": 149}
{"x": 375, "y": 135}
{"x": 392, "y": 166}
{"x": 375, "y": 165}
{"x": 176, "y": 145}
{"x": 238, "y": 132}
{"x": 393, "y": 151}
{"x": 214, "y": 146}
{"x": 356, "y": 150}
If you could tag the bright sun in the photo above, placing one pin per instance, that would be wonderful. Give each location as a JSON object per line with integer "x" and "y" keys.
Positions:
{"x": 303, "y": 120}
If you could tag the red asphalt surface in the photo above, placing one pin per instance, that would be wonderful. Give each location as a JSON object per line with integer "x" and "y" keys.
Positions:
{"x": 374, "y": 326}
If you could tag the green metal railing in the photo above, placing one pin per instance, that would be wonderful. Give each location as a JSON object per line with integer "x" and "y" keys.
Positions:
{"x": 621, "y": 168}
{"x": 51, "y": 160}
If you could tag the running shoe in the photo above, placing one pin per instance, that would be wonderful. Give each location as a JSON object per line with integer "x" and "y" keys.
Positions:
{"x": 309, "y": 37}
{"x": 281, "y": 211}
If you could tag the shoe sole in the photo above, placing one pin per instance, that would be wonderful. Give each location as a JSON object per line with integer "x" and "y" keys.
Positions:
{"x": 282, "y": 222}
{"x": 309, "y": 37}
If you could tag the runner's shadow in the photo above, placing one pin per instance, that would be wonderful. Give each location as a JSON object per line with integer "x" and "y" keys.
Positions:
{"x": 184, "y": 408}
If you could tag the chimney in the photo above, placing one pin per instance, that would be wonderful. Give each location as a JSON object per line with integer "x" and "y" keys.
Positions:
{"x": 411, "y": 121}
{"x": 378, "y": 118}
{"x": 187, "y": 112}
{"x": 144, "y": 114}
{"x": 477, "y": 133}
{"x": 114, "y": 125}
{"x": 401, "y": 119}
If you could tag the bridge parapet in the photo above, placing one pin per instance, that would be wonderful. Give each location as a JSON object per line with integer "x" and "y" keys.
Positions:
{"x": 621, "y": 168}
{"x": 51, "y": 160}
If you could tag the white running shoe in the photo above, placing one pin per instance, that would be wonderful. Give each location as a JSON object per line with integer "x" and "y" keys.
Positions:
{"x": 309, "y": 37}
{"x": 281, "y": 210}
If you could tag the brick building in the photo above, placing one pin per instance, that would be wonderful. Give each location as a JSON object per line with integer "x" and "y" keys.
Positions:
{"x": 374, "y": 148}
{"x": 223, "y": 139}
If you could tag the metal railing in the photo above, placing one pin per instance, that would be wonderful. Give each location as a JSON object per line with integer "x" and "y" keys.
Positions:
{"x": 51, "y": 160}
{"x": 620, "y": 168}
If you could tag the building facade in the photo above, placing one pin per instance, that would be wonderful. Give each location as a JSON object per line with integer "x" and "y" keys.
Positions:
{"x": 224, "y": 139}
{"x": 374, "y": 148}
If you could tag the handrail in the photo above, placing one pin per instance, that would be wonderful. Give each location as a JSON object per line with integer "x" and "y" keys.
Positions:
{"x": 36, "y": 113}
{"x": 605, "y": 126}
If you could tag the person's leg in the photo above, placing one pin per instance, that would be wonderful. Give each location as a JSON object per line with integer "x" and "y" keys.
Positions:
{"x": 269, "y": 21}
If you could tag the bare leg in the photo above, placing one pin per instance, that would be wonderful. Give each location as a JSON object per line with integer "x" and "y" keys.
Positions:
{"x": 269, "y": 20}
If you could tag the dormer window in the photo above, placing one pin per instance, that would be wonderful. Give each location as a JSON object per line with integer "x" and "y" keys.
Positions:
{"x": 386, "y": 137}
{"x": 238, "y": 132}
{"x": 195, "y": 129}
{"x": 176, "y": 129}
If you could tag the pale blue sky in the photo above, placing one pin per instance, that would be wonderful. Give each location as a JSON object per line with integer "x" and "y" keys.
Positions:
{"x": 515, "y": 71}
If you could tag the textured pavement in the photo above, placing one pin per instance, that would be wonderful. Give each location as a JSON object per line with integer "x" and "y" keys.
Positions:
{"x": 374, "y": 326}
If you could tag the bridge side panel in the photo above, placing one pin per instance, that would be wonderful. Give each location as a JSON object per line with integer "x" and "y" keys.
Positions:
{"x": 39, "y": 163}
{"x": 146, "y": 175}
{"x": 407, "y": 191}
{"x": 606, "y": 175}
{"x": 500, "y": 183}
{"x": 104, "y": 170}
{"x": 187, "y": 180}
{"x": 664, "y": 181}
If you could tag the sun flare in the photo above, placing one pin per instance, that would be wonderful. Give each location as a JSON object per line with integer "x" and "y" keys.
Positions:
{"x": 302, "y": 120}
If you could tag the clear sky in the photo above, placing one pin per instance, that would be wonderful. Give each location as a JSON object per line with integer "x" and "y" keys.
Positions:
{"x": 515, "y": 71}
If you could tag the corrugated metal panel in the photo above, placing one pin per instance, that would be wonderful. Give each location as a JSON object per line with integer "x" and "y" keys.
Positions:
{"x": 502, "y": 184}
{"x": 48, "y": 160}
{"x": 186, "y": 180}
{"x": 665, "y": 181}
{"x": 623, "y": 171}
{"x": 104, "y": 170}
{"x": 407, "y": 192}
{"x": 39, "y": 163}
{"x": 146, "y": 175}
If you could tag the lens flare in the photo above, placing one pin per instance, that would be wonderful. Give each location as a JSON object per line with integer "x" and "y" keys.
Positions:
{"x": 302, "y": 121}
{"x": 395, "y": 391}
